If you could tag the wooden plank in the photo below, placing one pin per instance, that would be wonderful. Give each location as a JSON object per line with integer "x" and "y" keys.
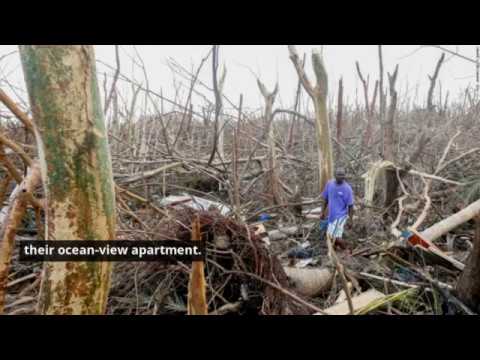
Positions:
{"x": 197, "y": 293}
{"x": 359, "y": 302}
{"x": 421, "y": 242}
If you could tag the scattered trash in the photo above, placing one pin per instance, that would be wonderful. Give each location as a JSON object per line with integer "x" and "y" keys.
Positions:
{"x": 247, "y": 260}
{"x": 264, "y": 217}
{"x": 313, "y": 214}
{"x": 300, "y": 253}
{"x": 359, "y": 302}
{"x": 195, "y": 203}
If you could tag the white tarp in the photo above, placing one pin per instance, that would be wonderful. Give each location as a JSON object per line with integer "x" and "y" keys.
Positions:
{"x": 195, "y": 202}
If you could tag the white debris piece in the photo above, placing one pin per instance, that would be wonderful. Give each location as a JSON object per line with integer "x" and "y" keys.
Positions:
{"x": 313, "y": 214}
{"x": 195, "y": 203}
{"x": 302, "y": 264}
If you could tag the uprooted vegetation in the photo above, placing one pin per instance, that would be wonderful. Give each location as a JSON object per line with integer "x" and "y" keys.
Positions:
{"x": 167, "y": 166}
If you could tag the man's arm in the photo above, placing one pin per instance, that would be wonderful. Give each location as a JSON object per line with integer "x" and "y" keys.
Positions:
{"x": 324, "y": 210}
{"x": 351, "y": 211}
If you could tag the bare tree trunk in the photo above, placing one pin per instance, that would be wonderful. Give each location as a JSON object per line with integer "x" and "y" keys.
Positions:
{"x": 450, "y": 223}
{"x": 369, "y": 107}
{"x": 221, "y": 120}
{"x": 340, "y": 111}
{"x": 296, "y": 109}
{"x": 391, "y": 187}
{"x": 319, "y": 95}
{"x": 382, "y": 94}
{"x": 219, "y": 133}
{"x": 109, "y": 96}
{"x": 323, "y": 124}
{"x": 365, "y": 84}
{"x": 76, "y": 169}
{"x": 130, "y": 126}
{"x": 273, "y": 181}
{"x": 477, "y": 68}
{"x": 235, "y": 157}
{"x": 115, "y": 115}
{"x": 389, "y": 128}
{"x": 433, "y": 82}
{"x": 468, "y": 286}
{"x": 371, "y": 114}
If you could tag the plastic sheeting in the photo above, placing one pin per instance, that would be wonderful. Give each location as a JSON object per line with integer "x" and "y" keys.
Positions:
{"x": 195, "y": 203}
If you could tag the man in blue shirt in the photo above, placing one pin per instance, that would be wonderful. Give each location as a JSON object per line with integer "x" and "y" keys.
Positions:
{"x": 338, "y": 196}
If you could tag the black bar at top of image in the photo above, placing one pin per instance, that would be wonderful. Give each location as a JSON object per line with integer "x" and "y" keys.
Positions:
{"x": 167, "y": 251}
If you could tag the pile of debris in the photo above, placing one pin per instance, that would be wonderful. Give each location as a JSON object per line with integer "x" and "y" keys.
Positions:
{"x": 242, "y": 275}
{"x": 266, "y": 269}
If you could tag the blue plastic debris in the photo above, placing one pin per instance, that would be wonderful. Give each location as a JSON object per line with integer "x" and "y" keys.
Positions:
{"x": 405, "y": 275}
{"x": 265, "y": 217}
{"x": 407, "y": 234}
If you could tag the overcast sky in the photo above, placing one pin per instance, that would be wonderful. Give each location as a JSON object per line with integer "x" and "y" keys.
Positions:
{"x": 272, "y": 64}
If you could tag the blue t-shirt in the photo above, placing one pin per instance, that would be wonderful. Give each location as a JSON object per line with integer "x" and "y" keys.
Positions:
{"x": 339, "y": 198}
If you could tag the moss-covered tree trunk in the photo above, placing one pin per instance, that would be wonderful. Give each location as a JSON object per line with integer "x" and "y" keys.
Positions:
{"x": 76, "y": 170}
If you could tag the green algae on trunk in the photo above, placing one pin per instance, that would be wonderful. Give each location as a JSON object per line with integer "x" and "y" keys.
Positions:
{"x": 76, "y": 169}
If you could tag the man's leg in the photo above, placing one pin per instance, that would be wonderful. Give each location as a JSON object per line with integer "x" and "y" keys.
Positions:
{"x": 331, "y": 237}
{"x": 340, "y": 244}
{"x": 331, "y": 234}
{"x": 340, "y": 227}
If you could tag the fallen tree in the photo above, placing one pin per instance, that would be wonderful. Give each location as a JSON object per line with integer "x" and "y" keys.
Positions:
{"x": 445, "y": 226}
{"x": 381, "y": 167}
